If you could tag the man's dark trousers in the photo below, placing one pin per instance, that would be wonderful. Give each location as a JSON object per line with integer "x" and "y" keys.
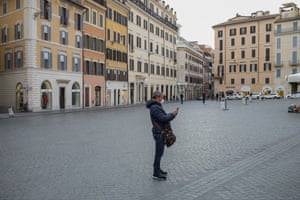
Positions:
{"x": 159, "y": 151}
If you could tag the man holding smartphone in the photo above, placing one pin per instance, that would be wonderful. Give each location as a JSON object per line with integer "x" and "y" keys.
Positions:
{"x": 160, "y": 121}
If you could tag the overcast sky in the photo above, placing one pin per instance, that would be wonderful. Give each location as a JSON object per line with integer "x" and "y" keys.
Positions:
{"x": 198, "y": 16}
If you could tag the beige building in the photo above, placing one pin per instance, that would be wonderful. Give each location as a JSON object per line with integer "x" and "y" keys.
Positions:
{"x": 287, "y": 48}
{"x": 244, "y": 54}
{"x": 152, "y": 49}
{"x": 190, "y": 71}
{"x": 40, "y": 47}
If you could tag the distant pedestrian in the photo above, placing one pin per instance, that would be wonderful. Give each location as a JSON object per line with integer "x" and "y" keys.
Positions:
{"x": 181, "y": 98}
{"x": 217, "y": 97}
{"x": 162, "y": 119}
{"x": 203, "y": 97}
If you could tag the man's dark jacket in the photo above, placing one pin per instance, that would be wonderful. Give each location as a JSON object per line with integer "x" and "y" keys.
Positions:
{"x": 158, "y": 115}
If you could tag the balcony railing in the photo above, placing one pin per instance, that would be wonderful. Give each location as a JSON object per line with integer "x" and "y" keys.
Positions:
{"x": 155, "y": 15}
{"x": 278, "y": 64}
{"x": 286, "y": 30}
{"x": 294, "y": 62}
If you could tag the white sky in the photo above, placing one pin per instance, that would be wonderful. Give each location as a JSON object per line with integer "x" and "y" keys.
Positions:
{"x": 198, "y": 16}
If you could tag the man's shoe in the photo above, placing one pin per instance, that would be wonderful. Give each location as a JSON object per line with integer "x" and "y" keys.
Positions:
{"x": 159, "y": 177}
{"x": 163, "y": 172}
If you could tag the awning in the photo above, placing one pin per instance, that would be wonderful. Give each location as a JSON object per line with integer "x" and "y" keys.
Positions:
{"x": 294, "y": 78}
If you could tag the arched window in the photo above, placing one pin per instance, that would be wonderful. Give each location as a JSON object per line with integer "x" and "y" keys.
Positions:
{"x": 46, "y": 95}
{"x": 76, "y": 95}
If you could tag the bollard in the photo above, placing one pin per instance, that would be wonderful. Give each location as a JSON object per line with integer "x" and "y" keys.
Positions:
{"x": 10, "y": 111}
{"x": 224, "y": 105}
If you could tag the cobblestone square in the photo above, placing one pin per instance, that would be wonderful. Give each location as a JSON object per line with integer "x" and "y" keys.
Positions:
{"x": 247, "y": 152}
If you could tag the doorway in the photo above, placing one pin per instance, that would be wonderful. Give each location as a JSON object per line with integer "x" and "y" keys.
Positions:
{"x": 62, "y": 98}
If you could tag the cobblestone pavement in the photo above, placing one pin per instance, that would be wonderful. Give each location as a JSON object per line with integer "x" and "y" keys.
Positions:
{"x": 244, "y": 153}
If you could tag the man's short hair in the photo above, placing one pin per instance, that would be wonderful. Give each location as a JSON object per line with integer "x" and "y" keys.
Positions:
{"x": 156, "y": 94}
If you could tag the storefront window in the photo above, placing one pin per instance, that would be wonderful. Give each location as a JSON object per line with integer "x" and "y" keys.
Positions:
{"x": 76, "y": 95}
{"x": 46, "y": 95}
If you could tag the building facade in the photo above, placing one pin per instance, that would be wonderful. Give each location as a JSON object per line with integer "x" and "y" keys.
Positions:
{"x": 94, "y": 53}
{"x": 244, "y": 54}
{"x": 152, "y": 49}
{"x": 190, "y": 69}
{"x": 40, "y": 68}
{"x": 116, "y": 53}
{"x": 287, "y": 48}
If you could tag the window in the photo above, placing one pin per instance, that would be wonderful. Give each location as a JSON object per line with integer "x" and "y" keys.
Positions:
{"x": 268, "y": 27}
{"x": 62, "y": 62}
{"x": 138, "y": 21}
{"x": 46, "y": 32}
{"x": 76, "y": 64}
{"x": 278, "y": 43}
{"x": 46, "y": 9}
{"x": 232, "y": 55}
{"x": 253, "y": 39}
{"x": 157, "y": 31}
{"x": 294, "y": 70}
{"x": 243, "y": 30}
{"x": 295, "y": 26}
{"x": 64, "y": 16}
{"x": 18, "y": 59}
{"x": 278, "y": 73}
{"x": 243, "y": 41}
{"x": 253, "y": 53}
{"x": 78, "y": 41}
{"x": 295, "y": 44}
{"x": 94, "y": 18}
{"x": 87, "y": 15}
{"x": 18, "y": 4}
{"x": 131, "y": 65}
{"x": 253, "y": 67}
{"x": 17, "y": 31}
{"x": 232, "y": 68}
{"x": 242, "y": 81}
{"x": 220, "y": 45}
{"x": 243, "y": 54}
{"x": 152, "y": 69}
{"x": 4, "y": 34}
{"x": 253, "y": 81}
{"x": 220, "y": 34}
{"x": 294, "y": 57}
{"x": 267, "y": 54}
{"x": 267, "y": 80}
{"x": 146, "y": 67}
{"x": 162, "y": 71}
{"x": 157, "y": 70}
{"x": 278, "y": 58}
{"x": 232, "y": 41}
{"x": 46, "y": 60}
{"x": 232, "y": 32}
{"x": 145, "y": 24}
{"x": 108, "y": 34}
{"x": 78, "y": 22}
{"x": 64, "y": 37}
{"x": 267, "y": 67}
{"x": 101, "y": 21}
{"x": 243, "y": 68}
{"x": 268, "y": 38}
{"x": 8, "y": 60}
{"x": 151, "y": 28}
{"x": 139, "y": 66}
{"x": 76, "y": 94}
{"x": 109, "y": 13}
{"x": 4, "y": 7}
{"x": 252, "y": 29}
{"x": 232, "y": 81}
{"x": 278, "y": 28}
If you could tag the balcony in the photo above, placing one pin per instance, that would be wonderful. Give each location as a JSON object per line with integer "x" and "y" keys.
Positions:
{"x": 294, "y": 63}
{"x": 155, "y": 15}
{"x": 278, "y": 64}
{"x": 286, "y": 30}
{"x": 101, "y": 2}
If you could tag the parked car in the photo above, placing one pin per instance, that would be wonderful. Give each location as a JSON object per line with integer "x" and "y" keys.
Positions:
{"x": 293, "y": 96}
{"x": 255, "y": 95}
{"x": 234, "y": 96}
{"x": 271, "y": 96}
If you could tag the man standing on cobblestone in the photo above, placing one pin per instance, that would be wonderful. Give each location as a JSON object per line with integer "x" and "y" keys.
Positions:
{"x": 160, "y": 121}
